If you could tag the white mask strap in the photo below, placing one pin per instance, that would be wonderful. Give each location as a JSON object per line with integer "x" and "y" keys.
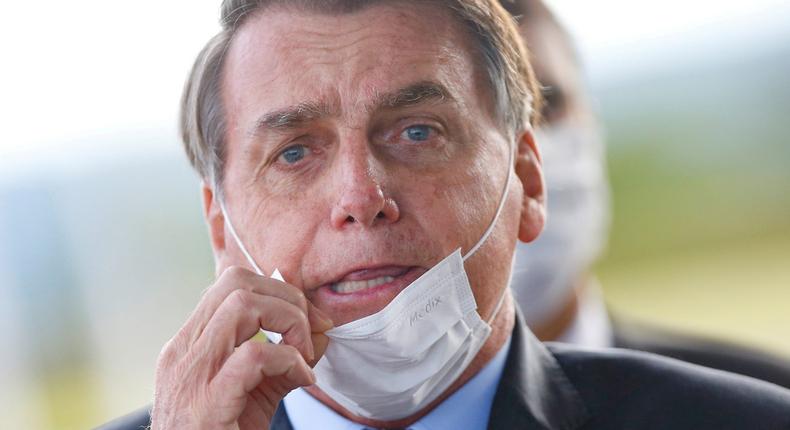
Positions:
{"x": 498, "y": 209}
{"x": 491, "y": 229}
{"x": 238, "y": 240}
{"x": 498, "y": 305}
{"x": 273, "y": 337}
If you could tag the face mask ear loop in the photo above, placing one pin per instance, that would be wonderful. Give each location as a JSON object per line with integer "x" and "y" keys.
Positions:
{"x": 272, "y": 337}
{"x": 499, "y": 208}
{"x": 238, "y": 241}
{"x": 498, "y": 305}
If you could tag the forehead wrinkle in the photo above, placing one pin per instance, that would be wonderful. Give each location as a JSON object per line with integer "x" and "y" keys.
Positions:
{"x": 349, "y": 42}
{"x": 450, "y": 55}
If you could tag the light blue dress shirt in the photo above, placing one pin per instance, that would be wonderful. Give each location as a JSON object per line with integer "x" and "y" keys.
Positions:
{"x": 468, "y": 408}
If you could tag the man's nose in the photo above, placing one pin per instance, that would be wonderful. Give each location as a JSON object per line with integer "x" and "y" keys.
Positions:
{"x": 362, "y": 199}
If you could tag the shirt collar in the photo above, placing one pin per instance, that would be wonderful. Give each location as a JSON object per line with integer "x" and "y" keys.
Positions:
{"x": 467, "y": 408}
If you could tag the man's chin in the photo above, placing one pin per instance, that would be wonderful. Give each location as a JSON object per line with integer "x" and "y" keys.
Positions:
{"x": 344, "y": 305}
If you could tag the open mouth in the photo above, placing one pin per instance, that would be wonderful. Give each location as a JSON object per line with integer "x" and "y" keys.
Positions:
{"x": 368, "y": 279}
{"x": 354, "y": 286}
{"x": 363, "y": 291}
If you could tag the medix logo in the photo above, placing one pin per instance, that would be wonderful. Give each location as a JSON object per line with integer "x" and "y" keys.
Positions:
{"x": 432, "y": 304}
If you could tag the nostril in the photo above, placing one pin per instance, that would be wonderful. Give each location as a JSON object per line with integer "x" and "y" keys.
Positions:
{"x": 350, "y": 219}
{"x": 380, "y": 215}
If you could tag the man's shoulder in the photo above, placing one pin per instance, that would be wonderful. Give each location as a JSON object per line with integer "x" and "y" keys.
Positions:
{"x": 701, "y": 350}
{"x": 137, "y": 420}
{"x": 631, "y": 389}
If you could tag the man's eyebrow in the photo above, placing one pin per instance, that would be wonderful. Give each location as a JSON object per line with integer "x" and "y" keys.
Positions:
{"x": 413, "y": 95}
{"x": 290, "y": 117}
{"x": 295, "y": 116}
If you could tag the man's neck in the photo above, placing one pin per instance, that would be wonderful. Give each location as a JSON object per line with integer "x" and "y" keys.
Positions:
{"x": 501, "y": 329}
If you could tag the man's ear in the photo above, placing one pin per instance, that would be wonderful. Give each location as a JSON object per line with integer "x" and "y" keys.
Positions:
{"x": 530, "y": 172}
{"x": 215, "y": 221}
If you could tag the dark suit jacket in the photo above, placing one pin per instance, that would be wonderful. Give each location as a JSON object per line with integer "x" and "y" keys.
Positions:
{"x": 562, "y": 387}
{"x": 703, "y": 351}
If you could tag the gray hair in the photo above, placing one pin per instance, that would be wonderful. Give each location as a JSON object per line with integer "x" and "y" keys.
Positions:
{"x": 503, "y": 54}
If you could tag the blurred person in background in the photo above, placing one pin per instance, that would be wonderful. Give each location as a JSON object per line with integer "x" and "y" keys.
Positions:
{"x": 322, "y": 143}
{"x": 552, "y": 278}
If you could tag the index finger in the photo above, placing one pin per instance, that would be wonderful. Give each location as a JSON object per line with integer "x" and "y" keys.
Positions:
{"x": 236, "y": 278}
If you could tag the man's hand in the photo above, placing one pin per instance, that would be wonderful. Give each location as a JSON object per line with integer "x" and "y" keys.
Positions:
{"x": 213, "y": 374}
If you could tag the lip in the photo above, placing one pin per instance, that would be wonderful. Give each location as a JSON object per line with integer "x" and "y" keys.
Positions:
{"x": 364, "y": 272}
{"x": 346, "y": 307}
{"x": 368, "y": 273}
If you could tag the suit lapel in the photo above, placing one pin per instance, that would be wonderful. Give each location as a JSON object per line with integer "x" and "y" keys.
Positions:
{"x": 534, "y": 392}
{"x": 280, "y": 419}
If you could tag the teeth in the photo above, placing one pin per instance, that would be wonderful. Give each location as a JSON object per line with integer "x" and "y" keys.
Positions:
{"x": 353, "y": 286}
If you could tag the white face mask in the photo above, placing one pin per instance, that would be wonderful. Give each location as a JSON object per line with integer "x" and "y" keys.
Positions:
{"x": 391, "y": 364}
{"x": 545, "y": 271}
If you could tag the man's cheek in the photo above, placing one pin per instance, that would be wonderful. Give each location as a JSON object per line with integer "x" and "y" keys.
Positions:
{"x": 452, "y": 217}
{"x": 471, "y": 203}
{"x": 284, "y": 242}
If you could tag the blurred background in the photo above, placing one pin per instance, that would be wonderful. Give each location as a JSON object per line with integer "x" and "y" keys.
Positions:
{"x": 103, "y": 251}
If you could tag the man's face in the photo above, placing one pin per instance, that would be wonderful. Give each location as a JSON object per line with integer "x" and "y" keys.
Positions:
{"x": 361, "y": 149}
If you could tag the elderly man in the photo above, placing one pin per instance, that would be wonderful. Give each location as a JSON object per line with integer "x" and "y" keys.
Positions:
{"x": 378, "y": 158}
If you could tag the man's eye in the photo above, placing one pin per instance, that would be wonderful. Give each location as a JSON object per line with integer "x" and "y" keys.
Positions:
{"x": 293, "y": 154}
{"x": 417, "y": 133}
